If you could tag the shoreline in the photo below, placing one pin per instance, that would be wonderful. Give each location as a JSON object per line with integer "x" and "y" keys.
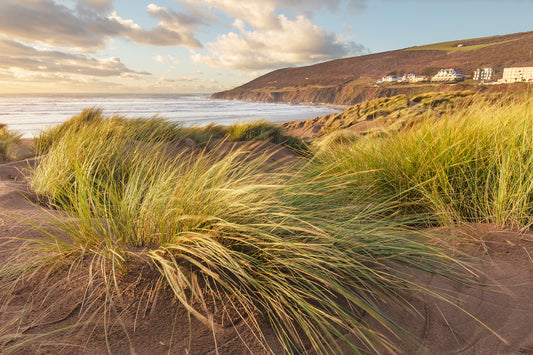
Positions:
{"x": 200, "y": 110}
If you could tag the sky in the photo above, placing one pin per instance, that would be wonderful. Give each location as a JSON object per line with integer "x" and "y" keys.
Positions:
{"x": 205, "y": 46}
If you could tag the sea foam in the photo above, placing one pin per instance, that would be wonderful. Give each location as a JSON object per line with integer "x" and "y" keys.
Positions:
{"x": 30, "y": 114}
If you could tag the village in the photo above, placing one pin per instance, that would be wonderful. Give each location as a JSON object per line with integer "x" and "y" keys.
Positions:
{"x": 483, "y": 75}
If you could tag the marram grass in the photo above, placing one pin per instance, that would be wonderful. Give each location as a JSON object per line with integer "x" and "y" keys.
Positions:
{"x": 475, "y": 164}
{"x": 7, "y": 140}
{"x": 295, "y": 248}
{"x": 157, "y": 129}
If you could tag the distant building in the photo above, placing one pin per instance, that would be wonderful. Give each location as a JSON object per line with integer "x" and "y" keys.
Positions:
{"x": 517, "y": 75}
{"x": 413, "y": 78}
{"x": 391, "y": 79}
{"x": 484, "y": 74}
{"x": 448, "y": 75}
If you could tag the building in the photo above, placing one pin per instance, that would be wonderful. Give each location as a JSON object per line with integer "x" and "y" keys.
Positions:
{"x": 391, "y": 79}
{"x": 517, "y": 75}
{"x": 448, "y": 75}
{"x": 413, "y": 78}
{"x": 484, "y": 74}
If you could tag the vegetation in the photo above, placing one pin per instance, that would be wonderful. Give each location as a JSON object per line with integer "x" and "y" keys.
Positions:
{"x": 314, "y": 248}
{"x": 152, "y": 130}
{"x": 7, "y": 141}
{"x": 469, "y": 164}
{"x": 299, "y": 247}
{"x": 266, "y": 131}
{"x": 429, "y": 71}
{"x": 455, "y": 46}
{"x": 156, "y": 130}
{"x": 395, "y": 113}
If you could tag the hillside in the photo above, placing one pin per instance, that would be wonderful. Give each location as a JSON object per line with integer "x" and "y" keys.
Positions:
{"x": 347, "y": 81}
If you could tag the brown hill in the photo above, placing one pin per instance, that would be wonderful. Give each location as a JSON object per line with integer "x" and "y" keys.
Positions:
{"x": 347, "y": 81}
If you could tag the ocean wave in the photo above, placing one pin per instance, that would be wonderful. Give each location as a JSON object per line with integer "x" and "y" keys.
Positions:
{"x": 47, "y": 110}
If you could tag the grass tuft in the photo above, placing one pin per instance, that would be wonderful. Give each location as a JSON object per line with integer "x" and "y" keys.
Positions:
{"x": 297, "y": 248}
{"x": 266, "y": 131}
{"x": 472, "y": 165}
{"x": 8, "y": 140}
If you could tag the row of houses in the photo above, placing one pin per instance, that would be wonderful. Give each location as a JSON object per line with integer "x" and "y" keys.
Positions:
{"x": 444, "y": 75}
{"x": 448, "y": 75}
{"x": 487, "y": 75}
{"x": 406, "y": 78}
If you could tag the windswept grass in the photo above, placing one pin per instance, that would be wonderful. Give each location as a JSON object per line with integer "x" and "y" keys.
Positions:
{"x": 296, "y": 248}
{"x": 146, "y": 130}
{"x": 160, "y": 130}
{"x": 475, "y": 164}
{"x": 7, "y": 140}
{"x": 266, "y": 131}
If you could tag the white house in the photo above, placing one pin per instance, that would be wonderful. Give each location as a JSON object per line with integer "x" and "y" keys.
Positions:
{"x": 448, "y": 75}
{"x": 518, "y": 74}
{"x": 391, "y": 79}
{"x": 413, "y": 78}
{"x": 484, "y": 74}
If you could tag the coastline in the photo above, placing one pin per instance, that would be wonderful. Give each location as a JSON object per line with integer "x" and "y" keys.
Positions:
{"x": 28, "y": 115}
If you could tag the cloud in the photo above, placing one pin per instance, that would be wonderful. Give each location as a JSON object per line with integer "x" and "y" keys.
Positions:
{"x": 173, "y": 28}
{"x": 267, "y": 40}
{"x": 295, "y": 42}
{"x": 48, "y": 22}
{"x": 317, "y": 5}
{"x": 98, "y": 5}
{"x": 23, "y": 57}
{"x": 167, "y": 59}
{"x": 261, "y": 14}
{"x": 161, "y": 59}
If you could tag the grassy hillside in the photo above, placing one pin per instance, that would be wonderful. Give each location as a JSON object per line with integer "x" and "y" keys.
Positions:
{"x": 346, "y": 81}
{"x": 389, "y": 114}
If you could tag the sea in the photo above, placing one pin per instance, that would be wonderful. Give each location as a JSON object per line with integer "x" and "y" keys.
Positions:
{"x": 28, "y": 115}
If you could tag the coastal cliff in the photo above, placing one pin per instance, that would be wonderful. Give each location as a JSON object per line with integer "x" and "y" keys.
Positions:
{"x": 349, "y": 81}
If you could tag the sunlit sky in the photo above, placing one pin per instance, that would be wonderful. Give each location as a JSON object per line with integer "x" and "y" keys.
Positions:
{"x": 204, "y": 46}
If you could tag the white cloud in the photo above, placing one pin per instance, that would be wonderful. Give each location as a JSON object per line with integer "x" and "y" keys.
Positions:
{"x": 167, "y": 59}
{"x": 28, "y": 59}
{"x": 262, "y": 14}
{"x": 295, "y": 42}
{"x": 172, "y": 29}
{"x": 48, "y": 22}
{"x": 98, "y": 5}
{"x": 161, "y": 59}
{"x": 259, "y": 14}
{"x": 267, "y": 40}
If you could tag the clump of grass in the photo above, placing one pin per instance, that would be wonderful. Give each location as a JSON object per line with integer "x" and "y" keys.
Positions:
{"x": 160, "y": 130}
{"x": 336, "y": 138}
{"x": 147, "y": 130}
{"x": 473, "y": 165}
{"x": 266, "y": 131}
{"x": 256, "y": 130}
{"x": 7, "y": 140}
{"x": 294, "y": 248}
{"x": 206, "y": 133}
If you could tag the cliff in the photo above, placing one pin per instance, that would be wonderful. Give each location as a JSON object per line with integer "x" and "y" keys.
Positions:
{"x": 348, "y": 81}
